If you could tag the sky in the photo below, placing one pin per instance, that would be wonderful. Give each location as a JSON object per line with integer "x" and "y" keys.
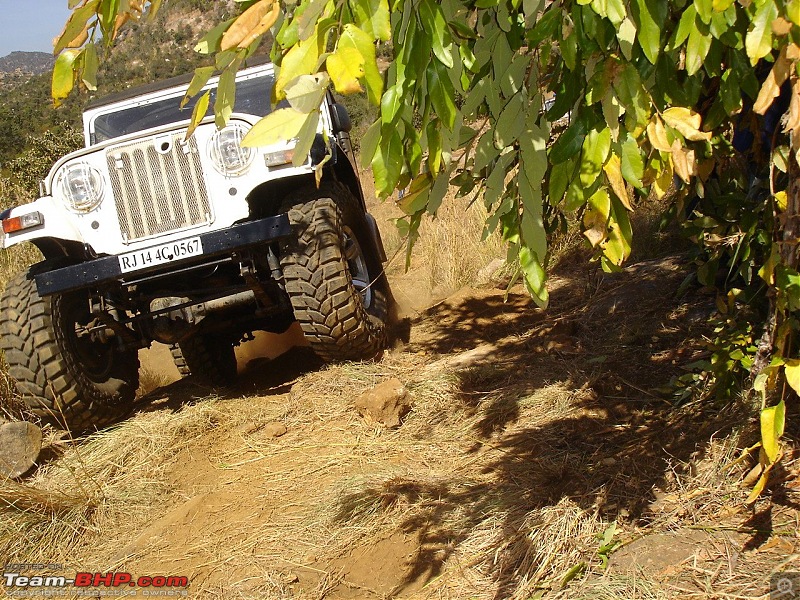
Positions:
{"x": 30, "y": 25}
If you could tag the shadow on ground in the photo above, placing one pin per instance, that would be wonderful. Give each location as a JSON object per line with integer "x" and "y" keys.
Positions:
{"x": 614, "y": 343}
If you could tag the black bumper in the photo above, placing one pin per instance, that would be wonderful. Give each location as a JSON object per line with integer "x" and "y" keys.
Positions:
{"x": 94, "y": 273}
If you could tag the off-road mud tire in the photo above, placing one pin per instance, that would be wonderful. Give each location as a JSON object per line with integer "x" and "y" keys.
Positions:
{"x": 330, "y": 310}
{"x": 51, "y": 377}
{"x": 207, "y": 358}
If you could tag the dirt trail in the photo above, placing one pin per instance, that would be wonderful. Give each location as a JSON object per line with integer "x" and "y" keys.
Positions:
{"x": 532, "y": 433}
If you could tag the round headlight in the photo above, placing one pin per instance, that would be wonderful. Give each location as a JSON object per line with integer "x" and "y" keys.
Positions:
{"x": 227, "y": 154}
{"x": 81, "y": 187}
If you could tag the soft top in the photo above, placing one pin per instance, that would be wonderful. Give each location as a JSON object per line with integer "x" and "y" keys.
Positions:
{"x": 164, "y": 84}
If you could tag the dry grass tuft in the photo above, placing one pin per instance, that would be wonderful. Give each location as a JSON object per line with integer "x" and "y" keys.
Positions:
{"x": 110, "y": 477}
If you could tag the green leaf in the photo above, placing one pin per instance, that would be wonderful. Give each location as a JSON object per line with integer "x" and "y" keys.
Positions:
{"x": 388, "y": 162}
{"x": 435, "y": 26}
{"x": 442, "y": 94}
{"x": 391, "y": 102}
{"x": 569, "y": 50}
{"x": 773, "y": 420}
{"x": 353, "y": 37}
{"x": 704, "y": 10}
{"x": 559, "y": 179}
{"x": 108, "y": 15}
{"x": 75, "y": 25}
{"x": 485, "y": 151}
{"x": 281, "y": 125}
{"x": 209, "y": 43}
{"x": 198, "y": 113}
{"x": 569, "y": 142}
{"x": 305, "y": 138}
{"x": 596, "y": 146}
{"x": 226, "y": 94}
{"x": 697, "y": 48}
{"x": 369, "y": 143}
{"x": 685, "y": 27}
{"x": 547, "y": 26}
{"x": 645, "y": 14}
{"x": 199, "y": 80}
{"x": 626, "y": 34}
{"x": 758, "y": 42}
{"x": 631, "y": 162}
{"x": 302, "y": 59}
{"x": 511, "y": 122}
{"x": 372, "y": 16}
{"x": 534, "y": 276}
{"x": 615, "y": 11}
{"x": 64, "y": 75}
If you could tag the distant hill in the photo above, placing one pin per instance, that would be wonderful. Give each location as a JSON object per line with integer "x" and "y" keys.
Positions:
{"x": 28, "y": 63}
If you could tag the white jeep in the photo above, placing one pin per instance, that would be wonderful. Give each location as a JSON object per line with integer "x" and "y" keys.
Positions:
{"x": 196, "y": 243}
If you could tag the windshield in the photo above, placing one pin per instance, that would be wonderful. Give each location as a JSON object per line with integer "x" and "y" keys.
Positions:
{"x": 252, "y": 97}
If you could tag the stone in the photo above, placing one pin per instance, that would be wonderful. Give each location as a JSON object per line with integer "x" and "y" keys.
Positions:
{"x": 385, "y": 404}
{"x": 274, "y": 429}
{"x": 20, "y": 445}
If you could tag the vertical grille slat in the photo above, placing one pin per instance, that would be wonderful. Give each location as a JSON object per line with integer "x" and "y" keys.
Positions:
{"x": 157, "y": 191}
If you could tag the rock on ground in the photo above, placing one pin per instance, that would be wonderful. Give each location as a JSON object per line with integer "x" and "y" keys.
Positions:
{"x": 20, "y": 444}
{"x": 386, "y": 404}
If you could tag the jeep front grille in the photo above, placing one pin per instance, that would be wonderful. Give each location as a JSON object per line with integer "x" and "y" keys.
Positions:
{"x": 158, "y": 186}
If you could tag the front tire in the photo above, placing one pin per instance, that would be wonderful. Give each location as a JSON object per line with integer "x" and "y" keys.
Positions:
{"x": 333, "y": 276}
{"x": 63, "y": 374}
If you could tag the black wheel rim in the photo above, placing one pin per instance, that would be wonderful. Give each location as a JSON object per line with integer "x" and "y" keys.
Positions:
{"x": 94, "y": 357}
{"x": 357, "y": 265}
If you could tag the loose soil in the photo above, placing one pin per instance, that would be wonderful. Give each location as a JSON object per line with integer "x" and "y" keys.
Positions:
{"x": 532, "y": 433}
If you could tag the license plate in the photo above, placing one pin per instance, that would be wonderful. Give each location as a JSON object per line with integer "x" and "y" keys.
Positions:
{"x": 160, "y": 255}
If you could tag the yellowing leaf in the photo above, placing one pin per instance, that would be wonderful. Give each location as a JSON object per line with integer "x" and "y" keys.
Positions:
{"x": 253, "y": 22}
{"x": 773, "y": 420}
{"x": 77, "y": 23}
{"x": 792, "y": 372}
{"x": 758, "y": 488}
{"x": 64, "y": 75}
{"x": 353, "y": 37}
{"x": 780, "y": 200}
{"x": 781, "y": 26}
{"x": 771, "y": 87}
{"x": 305, "y": 93}
{"x": 793, "y": 122}
{"x": 89, "y": 68}
{"x": 346, "y": 67}
{"x": 664, "y": 179}
{"x": 657, "y": 135}
{"x": 280, "y": 126}
{"x": 595, "y": 219}
{"x": 687, "y": 122}
{"x": 199, "y": 113}
{"x": 614, "y": 173}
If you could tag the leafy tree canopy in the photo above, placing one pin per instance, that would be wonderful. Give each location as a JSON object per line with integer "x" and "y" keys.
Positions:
{"x": 651, "y": 91}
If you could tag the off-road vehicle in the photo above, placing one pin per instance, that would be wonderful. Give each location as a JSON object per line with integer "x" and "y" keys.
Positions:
{"x": 196, "y": 243}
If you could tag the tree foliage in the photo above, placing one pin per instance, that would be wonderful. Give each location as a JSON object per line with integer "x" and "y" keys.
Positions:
{"x": 650, "y": 91}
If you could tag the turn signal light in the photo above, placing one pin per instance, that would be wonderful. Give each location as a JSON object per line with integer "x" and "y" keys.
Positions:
{"x": 22, "y": 222}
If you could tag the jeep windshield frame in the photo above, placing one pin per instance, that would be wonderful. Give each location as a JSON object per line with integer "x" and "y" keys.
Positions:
{"x": 154, "y": 110}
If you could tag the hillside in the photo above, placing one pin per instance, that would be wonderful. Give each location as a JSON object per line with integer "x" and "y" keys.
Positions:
{"x": 31, "y": 63}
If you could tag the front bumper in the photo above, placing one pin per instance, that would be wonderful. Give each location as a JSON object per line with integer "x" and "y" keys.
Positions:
{"x": 100, "y": 271}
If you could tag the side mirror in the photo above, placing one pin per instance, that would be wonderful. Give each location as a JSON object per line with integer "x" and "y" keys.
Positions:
{"x": 341, "y": 120}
